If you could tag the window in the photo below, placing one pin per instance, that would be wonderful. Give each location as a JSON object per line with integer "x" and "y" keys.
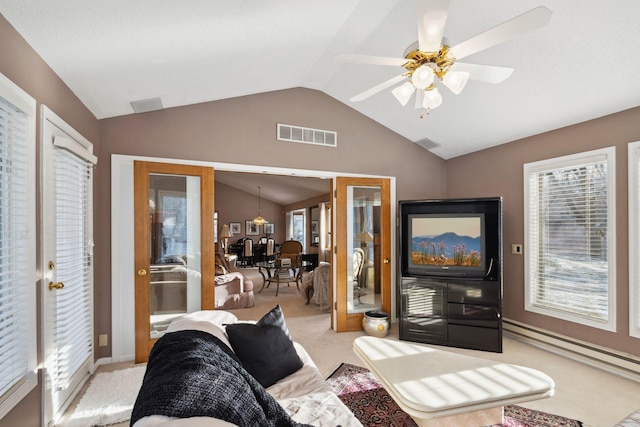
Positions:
{"x": 570, "y": 238}
{"x": 18, "y": 357}
{"x": 634, "y": 239}
{"x": 296, "y": 221}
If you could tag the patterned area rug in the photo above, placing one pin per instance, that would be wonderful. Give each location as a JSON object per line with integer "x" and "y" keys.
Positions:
{"x": 371, "y": 404}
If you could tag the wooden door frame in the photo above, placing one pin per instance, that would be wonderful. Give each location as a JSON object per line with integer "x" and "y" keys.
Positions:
{"x": 142, "y": 170}
{"x": 353, "y": 322}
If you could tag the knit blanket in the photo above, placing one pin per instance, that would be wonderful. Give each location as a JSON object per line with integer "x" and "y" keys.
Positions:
{"x": 192, "y": 373}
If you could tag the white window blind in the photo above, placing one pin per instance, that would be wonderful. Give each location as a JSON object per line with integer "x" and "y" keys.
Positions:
{"x": 74, "y": 258}
{"x": 569, "y": 232}
{"x": 17, "y": 245}
{"x": 634, "y": 239}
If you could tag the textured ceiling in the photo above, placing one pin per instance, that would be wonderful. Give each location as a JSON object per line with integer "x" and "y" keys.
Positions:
{"x": 582, "y": 65}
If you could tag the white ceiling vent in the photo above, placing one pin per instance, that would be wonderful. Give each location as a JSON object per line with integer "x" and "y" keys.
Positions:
{"x": 146, "y": 105}
{"x": 307, "y": 135}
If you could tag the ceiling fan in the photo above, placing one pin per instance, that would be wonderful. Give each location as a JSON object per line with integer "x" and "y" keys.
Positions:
{"x": 430, "y": 59}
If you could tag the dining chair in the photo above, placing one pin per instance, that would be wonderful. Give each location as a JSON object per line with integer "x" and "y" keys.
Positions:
{"x": 270, "y": 252}
{"x": 246, "y": 258}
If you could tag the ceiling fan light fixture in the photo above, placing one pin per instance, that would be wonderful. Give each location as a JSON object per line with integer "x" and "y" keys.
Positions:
{"x": 432, "y": 99}
{"x": 403, "y": 92}
{"x": 456, "y": 80}
{"x": 422, "y": 77}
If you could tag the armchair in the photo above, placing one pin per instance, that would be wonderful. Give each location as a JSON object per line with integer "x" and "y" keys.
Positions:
{"x": 318, "y": 286}
{"x": 232, "y": 289}
{"x": 291, "y": 249}
{"x": 358, "y": 264}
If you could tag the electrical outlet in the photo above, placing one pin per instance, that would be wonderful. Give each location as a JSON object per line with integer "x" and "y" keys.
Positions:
{"x": 103, "y": 340}
{"x": 516, "y": 248}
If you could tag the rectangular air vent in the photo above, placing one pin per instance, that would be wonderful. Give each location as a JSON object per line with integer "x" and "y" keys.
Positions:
{"x": 307, "y": 135}
{"x": 146, "y": 105}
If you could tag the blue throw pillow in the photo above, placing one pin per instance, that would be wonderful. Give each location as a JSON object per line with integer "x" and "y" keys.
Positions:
{"x": 265, "y": 349}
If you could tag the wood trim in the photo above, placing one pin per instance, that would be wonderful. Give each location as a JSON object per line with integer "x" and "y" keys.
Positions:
{"x": 141, "y": 236}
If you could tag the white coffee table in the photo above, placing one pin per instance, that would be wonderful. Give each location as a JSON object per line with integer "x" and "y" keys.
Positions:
{"x": 440, "y": 388}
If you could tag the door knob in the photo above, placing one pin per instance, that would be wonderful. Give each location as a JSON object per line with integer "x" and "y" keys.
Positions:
{"x": 58, "y": 285}
{"x": 386, "y": 261}
{"x": 142, "y": 272}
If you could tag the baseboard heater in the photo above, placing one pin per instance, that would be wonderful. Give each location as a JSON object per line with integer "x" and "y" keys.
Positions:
{"x": 614, "y": 361}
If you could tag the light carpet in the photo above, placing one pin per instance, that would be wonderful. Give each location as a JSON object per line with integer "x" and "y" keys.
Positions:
{"x": 109, "y": 398}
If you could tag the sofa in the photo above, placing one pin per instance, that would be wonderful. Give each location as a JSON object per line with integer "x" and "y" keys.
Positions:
{"x": 209, "y": 369}
{"x": 232, "y": 289}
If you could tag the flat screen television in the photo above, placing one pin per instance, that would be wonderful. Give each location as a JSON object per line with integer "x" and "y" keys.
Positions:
{"x": 447, "y": 244}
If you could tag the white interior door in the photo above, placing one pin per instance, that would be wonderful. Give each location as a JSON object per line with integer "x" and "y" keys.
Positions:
{"x": 67, "y": 258}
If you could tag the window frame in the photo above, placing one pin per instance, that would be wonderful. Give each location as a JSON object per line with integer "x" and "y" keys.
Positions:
{"x": 25, "y": 384}
{"x": 607, "y": 155}
{"x": 634, "y": 238}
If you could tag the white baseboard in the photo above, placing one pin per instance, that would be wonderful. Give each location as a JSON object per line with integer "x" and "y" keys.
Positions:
{"x": 617, "y": 362}
{"x": 102, "y": 361}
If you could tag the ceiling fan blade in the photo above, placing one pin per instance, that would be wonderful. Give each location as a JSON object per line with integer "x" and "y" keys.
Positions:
{"x": 382, "y": 86}
{"x": 529, "y": 21}
{"x": 354, "y": 58}
{"x": 432, "y": 17}
{"x": 483, "y": 73}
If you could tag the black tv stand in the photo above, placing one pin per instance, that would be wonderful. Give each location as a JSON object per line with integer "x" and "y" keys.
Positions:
{"x": 450, "y": 311}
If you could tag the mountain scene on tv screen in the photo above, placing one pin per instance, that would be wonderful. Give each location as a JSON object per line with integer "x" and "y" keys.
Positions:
{"x": 447, "y": 249}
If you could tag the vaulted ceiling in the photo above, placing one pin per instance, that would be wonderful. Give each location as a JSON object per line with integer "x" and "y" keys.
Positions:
{"x": 582, "y": 65}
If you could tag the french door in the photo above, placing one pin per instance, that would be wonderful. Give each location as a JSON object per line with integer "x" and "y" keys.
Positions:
{"x": 67, "y": 258}
{"x": 362, "y": 249}
{"x": 174, "y": 247}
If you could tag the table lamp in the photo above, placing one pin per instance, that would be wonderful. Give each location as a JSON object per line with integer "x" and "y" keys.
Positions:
{"x": 225, "y": 233}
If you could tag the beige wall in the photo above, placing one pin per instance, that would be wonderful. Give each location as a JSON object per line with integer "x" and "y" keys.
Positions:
{"x": 24, "y": 67}
{"x": 499, "y": 172}
{"x": 234, "y": 205}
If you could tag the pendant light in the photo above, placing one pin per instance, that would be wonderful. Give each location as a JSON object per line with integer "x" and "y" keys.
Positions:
{"x": 259, "y": 220}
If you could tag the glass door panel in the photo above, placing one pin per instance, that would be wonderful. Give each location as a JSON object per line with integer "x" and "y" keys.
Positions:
{"x": 174, "y": 247}
{"x": 175, "y": 271}
{"x": 363, "y": 224}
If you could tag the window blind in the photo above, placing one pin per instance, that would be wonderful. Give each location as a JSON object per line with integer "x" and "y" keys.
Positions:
{"x": 568, "y": 239}
{"x": 14, "y": 247}
{"x": 74, "y": 257}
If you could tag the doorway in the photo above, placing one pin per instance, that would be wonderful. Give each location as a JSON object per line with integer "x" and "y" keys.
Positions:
{"x": 123, "y": 229}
